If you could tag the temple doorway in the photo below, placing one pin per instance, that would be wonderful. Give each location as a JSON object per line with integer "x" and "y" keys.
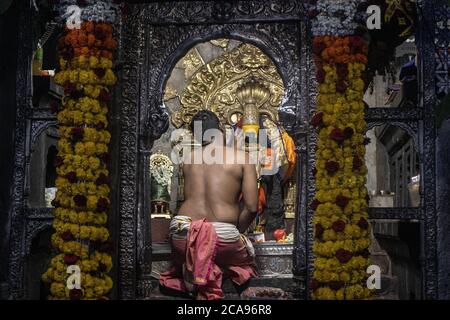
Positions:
{"x": 210, "y": 76}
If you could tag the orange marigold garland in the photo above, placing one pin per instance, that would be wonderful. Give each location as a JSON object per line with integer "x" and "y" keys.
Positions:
{"x": 341, "y": 225}
{"x": 82, "y": 199}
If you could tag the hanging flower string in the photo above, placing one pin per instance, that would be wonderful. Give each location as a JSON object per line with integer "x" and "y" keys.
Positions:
{"x": 341, "y": 225}
{"x": 82, "y": 199}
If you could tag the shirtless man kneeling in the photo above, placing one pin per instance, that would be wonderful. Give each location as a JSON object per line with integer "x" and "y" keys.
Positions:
{"x": 205, "y": 235}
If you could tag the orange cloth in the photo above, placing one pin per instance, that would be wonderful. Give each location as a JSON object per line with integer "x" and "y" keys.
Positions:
{"x": 261, "y": 199}
{"x": 289, "y": 146}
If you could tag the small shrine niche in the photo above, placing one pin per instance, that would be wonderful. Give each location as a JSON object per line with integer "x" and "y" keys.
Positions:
{"x": 393, "y": 183}
{"x": 42, "y": 173}
{"x": 393, "y": 178}
{"x": 161, "y": 171}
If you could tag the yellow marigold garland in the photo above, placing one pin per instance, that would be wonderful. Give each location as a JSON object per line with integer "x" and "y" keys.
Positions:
{"x": 82, "y": 200}
{"x": 342, "y": 235}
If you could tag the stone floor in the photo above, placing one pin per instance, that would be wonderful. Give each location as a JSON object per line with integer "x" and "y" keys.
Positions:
{"x": 252, "y": 292}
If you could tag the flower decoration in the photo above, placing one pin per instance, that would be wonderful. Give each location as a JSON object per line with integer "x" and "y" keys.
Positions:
{"x": 319, "y": 230}
{"x": 82, "y": 199}
{"x": 337, "y": 135}
{"x": 342, "y": 201}
{"x": 331, "y": 166}
{"x": 338, "y": 226}
{"x": 341, "y": 229}
{"x": 317, "y": 120}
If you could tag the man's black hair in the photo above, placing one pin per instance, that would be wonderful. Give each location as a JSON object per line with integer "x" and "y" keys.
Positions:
{"x": 208, "y": 119}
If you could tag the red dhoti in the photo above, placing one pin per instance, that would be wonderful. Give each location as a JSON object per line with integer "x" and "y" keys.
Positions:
{"x": 203, "y": 253}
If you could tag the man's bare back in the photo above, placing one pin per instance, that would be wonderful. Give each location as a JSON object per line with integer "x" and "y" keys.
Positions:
{"x": 212, "y": 191}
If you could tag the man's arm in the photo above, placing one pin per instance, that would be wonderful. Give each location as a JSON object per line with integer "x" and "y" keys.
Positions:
{"x": 250, "y": 197}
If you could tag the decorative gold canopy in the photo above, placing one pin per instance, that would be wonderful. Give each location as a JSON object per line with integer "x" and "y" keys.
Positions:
{"x": 214, "y": 85}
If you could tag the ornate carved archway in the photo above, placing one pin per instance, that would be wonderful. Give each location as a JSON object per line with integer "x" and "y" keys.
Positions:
{"x": 149, "y": 58}
{"x": 278, "y": 29}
